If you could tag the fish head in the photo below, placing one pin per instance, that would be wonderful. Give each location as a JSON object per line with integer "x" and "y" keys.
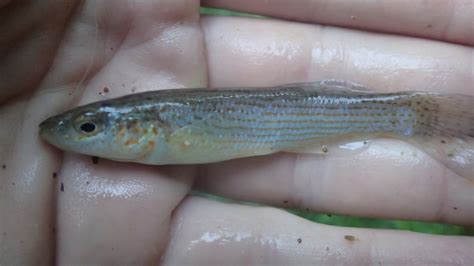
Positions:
{"x": 112, "y": 132}
{"x": 82, "y": 130}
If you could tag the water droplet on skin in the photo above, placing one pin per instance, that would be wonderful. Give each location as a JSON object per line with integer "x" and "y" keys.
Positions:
{"x": 354, "y": 145}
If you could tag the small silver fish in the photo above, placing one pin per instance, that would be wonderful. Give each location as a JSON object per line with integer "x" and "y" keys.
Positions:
{"x": 193, "y": 126}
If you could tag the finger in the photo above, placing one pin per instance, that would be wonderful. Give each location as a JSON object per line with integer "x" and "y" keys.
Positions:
{"x": 116, "y": 212}
{"x": 391, "y": 178}
{"x": 271, "y": 52}
{"x": 442, "y": 20}
{"x": 27, "y": 173}
{"x": 206, "y": 232}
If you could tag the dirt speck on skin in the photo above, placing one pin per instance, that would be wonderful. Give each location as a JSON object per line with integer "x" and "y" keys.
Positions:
{"x": 350, "y": 238}
{"x": 285, "y": 202}
{"x": 62, "y": 187}
{"x": 95, "y": 159}
{"x": 455, "y": 208}
{"x": 87, "y": 182}
{"x": 327, "y": 249}
{"x": 55, "y": 174}
{"x": 353, "y": 18}
{"x": 429, "y": 26}
{"x": 4, "y": 166}
{"x": 104, "y": 91}
{"x": 325, "y": 149}
{"x": 299, "y": 240}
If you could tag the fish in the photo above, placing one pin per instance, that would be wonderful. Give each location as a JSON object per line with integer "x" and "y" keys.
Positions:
{"x": 203, "y": 125}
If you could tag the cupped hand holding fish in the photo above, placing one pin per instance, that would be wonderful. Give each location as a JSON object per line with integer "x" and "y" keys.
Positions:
{"x": 104, "y": 211}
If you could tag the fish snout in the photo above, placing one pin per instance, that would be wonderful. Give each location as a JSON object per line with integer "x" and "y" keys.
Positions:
{"x": 51, "y": 127}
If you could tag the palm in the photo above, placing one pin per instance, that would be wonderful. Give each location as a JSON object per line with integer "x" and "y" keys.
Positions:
{"x": 127, "y": 213}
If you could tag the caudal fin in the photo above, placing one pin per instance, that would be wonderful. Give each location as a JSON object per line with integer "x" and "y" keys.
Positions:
{"x": 445, "y": 130}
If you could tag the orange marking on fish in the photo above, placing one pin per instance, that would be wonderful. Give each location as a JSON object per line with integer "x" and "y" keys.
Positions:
{"x": 151, "y": 144}
{"x": 130, "y": 142}
{"x": 135, "y": 130}
{"x": 155, "y": 131}
{"x": 145, "y": 131}
{"x": 121, "y": 133}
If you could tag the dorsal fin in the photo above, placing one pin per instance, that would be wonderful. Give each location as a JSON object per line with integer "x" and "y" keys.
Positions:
{"x": 331, "y": 85}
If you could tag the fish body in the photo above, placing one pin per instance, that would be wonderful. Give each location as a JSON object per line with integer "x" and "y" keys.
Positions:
{"x": 192, "y": 126}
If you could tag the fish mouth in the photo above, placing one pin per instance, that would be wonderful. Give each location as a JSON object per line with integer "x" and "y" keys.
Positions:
{"x": 45, "y": 130}
{"x": 42, "y": 126}
{"x": 50, "y": 127}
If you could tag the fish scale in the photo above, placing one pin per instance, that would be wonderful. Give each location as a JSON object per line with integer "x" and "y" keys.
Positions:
{"x": 314, "y": 116}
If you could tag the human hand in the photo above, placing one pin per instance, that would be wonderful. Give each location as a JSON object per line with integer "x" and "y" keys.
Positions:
{"x": 63, "y": 207}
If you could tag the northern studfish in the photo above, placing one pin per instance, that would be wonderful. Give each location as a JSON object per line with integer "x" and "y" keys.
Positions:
{"x": 194, "y": 126}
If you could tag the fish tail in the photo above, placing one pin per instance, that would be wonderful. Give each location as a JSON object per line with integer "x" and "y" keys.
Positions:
{"x": 444, "y": 128}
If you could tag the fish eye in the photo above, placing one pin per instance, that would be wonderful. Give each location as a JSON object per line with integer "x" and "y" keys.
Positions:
{"x": 88, "y": 127}
{"x": 88, "y": 123}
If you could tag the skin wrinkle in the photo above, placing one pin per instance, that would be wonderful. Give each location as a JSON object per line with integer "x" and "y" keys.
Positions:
{"x": 313, "y": 48}
{"x": 294, "y": 196}
{"x": 205, "y": 52}
{"x": 302, "y": 199}
{"x": 93, "y": 67}
{"x": 449, "y": 22}
{"x": 80, "y": 80}
{"x": 374, "y": 251}
{"x": 441, "y": 213}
